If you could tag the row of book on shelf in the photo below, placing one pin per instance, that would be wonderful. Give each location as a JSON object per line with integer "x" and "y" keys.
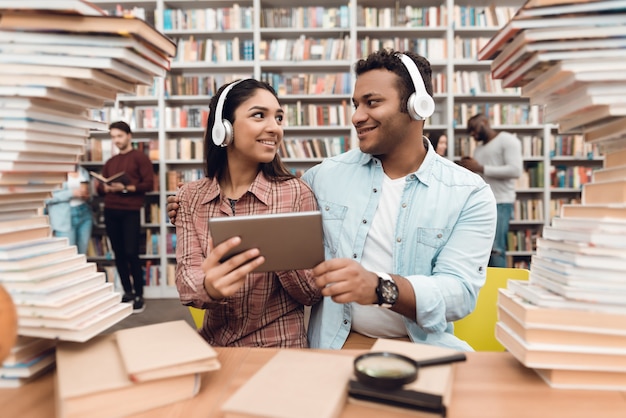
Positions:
{"x": 235, "y": 17}
{"x": 566, "y": 321}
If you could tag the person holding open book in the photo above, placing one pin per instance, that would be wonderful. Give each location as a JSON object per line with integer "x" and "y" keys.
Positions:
{"x": 244, "y": 176}
{"x": 407, "y": 233}
{"x": 498, "y": 158}
{"x": 123, "y": 199}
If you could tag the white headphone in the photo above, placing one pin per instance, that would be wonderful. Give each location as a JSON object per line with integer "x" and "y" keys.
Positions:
{"x": 222, "y": 131}
{"x": 420, "y": 104}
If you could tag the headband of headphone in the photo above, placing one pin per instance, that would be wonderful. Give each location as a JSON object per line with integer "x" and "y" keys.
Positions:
{"x": 420, "y": 104}
{"x": 222, "y": 132}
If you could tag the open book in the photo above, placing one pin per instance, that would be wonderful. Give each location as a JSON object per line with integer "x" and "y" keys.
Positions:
{"x": 115, "y": 178}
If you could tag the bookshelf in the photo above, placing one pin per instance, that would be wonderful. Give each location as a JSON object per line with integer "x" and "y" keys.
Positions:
{"x": 307, "y": 53}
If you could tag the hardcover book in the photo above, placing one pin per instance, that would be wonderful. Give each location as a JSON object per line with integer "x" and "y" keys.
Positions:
{"x": 115, "y": 178}
{"x": 91, "y": 380}
{"x": 304, "y": 384}
{"x": 184, "y": 351}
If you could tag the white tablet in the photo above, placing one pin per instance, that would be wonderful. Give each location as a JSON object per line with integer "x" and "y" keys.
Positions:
{"x": 288, "y": 241}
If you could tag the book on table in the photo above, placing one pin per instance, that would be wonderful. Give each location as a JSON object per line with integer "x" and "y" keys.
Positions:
{"x": 610, "y": 191}
{"x": 192, "y": 353}
{"x": 573, "y": 334}
{"x": 91, "y": 380}
{"x": 561, "y": 356}
{"x": 321, "y": 394}
{"x": 566, "y": 315}
{"x": 26, "y": 348}
{"x": 543, "y": 298}
{"x": 14, "y": 232}
{"x": 612, "y": 211}
{"x": 583, "y": 379}
{"x": 29, "y": 367}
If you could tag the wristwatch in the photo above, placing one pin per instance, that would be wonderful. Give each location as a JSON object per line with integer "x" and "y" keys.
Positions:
{"x": 387, "y": 290}
{"x": 125, "y": 190}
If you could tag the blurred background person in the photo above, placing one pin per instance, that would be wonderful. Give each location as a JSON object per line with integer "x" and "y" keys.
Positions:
{"x": 439, "y": 140}
{"x": 498, "y": 158}
{"x": 70, "y": 212}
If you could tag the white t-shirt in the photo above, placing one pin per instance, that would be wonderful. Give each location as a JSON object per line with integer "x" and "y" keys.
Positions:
{"x": 372, "y": 320}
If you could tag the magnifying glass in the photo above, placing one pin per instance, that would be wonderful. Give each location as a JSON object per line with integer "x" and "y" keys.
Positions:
{"x": 389, "y": 371}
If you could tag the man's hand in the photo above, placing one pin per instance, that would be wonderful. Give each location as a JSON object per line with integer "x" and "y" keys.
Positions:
{"x": 346, "y": 281}
{"x": 471, "y": 164}
{"x": 224, "y": 279}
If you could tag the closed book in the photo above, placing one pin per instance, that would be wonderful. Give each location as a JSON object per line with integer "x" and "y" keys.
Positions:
{"x": 561, "y": 356}
{"x": 565, "y": 308}
{"x": 584, "y": 379}
{"x": 91, "y": 381}
{"x": 28, "y": 367}
{"x": 117, "y": 25}
{"x": 294, "y": 383}
{"x": 539, "y": 333}
{"x": 571, "y": 210}
{"x": 615, "y": 158}
{"x": 147, "y": 355}
{"x": 26, "y": 348}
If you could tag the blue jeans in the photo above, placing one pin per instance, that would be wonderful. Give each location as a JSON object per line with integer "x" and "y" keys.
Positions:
{"x": 80, "y": 232}
{"x": 498, "y": 252}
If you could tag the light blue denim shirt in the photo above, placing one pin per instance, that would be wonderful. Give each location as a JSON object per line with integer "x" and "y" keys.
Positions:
{"x": 444, "y": 234}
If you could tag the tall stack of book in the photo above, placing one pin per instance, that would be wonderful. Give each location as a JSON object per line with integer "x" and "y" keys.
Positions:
{"x": 568, "y": 321}
{"x": 57, "y": 60}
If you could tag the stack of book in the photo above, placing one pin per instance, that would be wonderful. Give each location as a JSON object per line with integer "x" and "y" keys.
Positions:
{"x": 29, "y": 358}
{"x": 58, "y": 60}
{"x": 568, "y": 321}
{"x": 131, "y": 371}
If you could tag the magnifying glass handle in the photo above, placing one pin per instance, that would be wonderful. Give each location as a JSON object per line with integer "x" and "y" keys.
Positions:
{"x": 442, "y": 360}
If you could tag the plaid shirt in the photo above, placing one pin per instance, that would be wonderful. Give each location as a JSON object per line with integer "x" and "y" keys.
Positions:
{"x": 268, "y": 310}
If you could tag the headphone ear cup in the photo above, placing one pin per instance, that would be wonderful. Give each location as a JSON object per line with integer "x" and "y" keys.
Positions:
{"x": 228, "y": 133}
{"x": 420, "y": 107}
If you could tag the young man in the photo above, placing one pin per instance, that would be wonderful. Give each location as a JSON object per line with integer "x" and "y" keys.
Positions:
{"x": 123, "y": 200}
{"x": 498, "y": 158}
{"x": 407, "y": 232}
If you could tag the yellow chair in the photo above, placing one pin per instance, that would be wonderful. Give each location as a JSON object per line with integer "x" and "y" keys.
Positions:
{"x": 197, "y": 315}
{"x": 478, "y": 328}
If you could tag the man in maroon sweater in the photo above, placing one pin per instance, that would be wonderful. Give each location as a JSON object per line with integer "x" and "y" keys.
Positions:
{"x": 123, "y": 200}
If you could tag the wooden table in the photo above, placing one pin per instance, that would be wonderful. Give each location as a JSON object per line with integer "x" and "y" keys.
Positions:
{"x": 486, "y": 385}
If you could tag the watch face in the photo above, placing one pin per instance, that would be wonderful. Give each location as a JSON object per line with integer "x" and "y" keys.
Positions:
{"x": 388, "y": 292}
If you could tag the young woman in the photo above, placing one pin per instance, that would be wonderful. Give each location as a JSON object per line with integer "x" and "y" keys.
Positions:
{"x": 439, "y": 140}
{"x": 244, "y": 176}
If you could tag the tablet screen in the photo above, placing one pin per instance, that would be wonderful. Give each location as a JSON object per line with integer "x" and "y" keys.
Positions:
{"x": 288, "y": 241}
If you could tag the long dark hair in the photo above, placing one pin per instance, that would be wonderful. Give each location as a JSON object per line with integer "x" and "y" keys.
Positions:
{"x": 216, "y": 162}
